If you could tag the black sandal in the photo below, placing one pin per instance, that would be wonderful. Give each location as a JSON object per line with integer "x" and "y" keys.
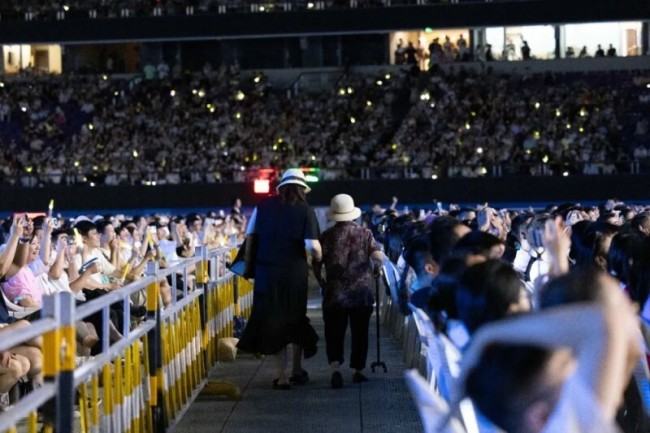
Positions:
{"x": 282, "y": 386}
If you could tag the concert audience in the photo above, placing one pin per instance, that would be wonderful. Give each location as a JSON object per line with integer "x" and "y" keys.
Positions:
{"x": 221, "y": 127}
{"x": 556, "y": 245}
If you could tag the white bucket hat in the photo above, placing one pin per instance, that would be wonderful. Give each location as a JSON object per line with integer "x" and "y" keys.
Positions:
{"x": 342, "y": 209}
{"x": 295, "y": 176}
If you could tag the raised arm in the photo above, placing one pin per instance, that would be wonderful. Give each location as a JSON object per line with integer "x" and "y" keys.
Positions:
{"x": 114, "y": 247}
{"x": 393, "y": 203}
{"x": 22, "y": 250}
{"x": 46, "y": 241}
{"x": 84, "y": 280}
{"x": 602, "y": 339}
{"x": 138, "y": 270}
{"x": 557, "y": 242}
{"x": 59, "y": 263}
{"x": 7, "y": 255}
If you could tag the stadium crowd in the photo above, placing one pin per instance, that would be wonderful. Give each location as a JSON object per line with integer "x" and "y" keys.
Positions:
{"x": 468, "y": 268}
{"x": 166, "y": 127}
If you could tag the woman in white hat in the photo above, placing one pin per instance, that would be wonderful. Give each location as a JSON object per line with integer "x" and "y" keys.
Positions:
{"x": 285, "y": 226}
{"x": 348, "y": 289}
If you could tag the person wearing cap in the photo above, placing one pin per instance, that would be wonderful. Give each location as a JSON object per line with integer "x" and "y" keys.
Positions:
{"x": 348, "y": 288}
{"x": 285, "y": 226}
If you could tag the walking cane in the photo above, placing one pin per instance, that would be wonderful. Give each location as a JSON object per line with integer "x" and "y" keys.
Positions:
{"x": 378, "y": 363}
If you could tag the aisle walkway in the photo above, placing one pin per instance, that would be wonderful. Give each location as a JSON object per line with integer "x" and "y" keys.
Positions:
{"x": 381, "y": 405}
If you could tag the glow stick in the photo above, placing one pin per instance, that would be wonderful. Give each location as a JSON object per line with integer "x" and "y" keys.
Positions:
{"x": 126, "y": 270}
{"x": 77, "y": 238}
{"x": 149, "y": 240}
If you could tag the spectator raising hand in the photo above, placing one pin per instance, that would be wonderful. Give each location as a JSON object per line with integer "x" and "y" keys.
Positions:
{"x": 557, "y": 243}
{"x": 16, "y": 233}
{"x": 489, "y": 221}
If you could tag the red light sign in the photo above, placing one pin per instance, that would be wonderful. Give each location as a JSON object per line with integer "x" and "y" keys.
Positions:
{"x": 261, "y": 186}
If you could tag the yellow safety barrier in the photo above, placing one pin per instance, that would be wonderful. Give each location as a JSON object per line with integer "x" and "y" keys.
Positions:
{"x": 108, "y": 397}
{"x": 151, "y": 391}
{"x": 52, "y": 352}
{"x": 32, "y": 422}
{"x": 145, "y": 381}
{"x": 153, "y": 294}
{"x": 94, "y": 405}
{"x": 69, "y": 348}
{"x": 83, "y": 407}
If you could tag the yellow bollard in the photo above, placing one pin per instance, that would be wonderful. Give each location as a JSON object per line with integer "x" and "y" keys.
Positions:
{"x": 189, "y": 349}
{"x": 52, "y": 352}
{"x": 153, "y": 293}
{"x": 137, "y": 381}
{"x": 198, "y": 331}
{"x": 180, "y": 364}
{"x": 166, "y": 380}
{"x": 198, "y": 370}
{"x": 69, "y": 334}
{"x": 52, "y": 344}
{"x": 231, "y": 309}
{"x": 94, "y": 405}
{"x": 83, "y": 407}
{"x": 118, "y": 393}
{"x": 202, "y": 272}
{"x": 191, "y": 353}
{"x": 32, "y": 422}
{"x": 153, "y": 387}
{"x": 109, "y": 406}
{"x": 212, "y": 326}
{"x": 178, "y": 384}
{"x": 137, "y": 384}
{"x": 222, "y": 305}
{"x": 180, "y": 356}
{"x": 200, "y": 345}
{"x": 171, "y": 335}
{"x": 128, "y": 390}
{"x": 216, "y": 315}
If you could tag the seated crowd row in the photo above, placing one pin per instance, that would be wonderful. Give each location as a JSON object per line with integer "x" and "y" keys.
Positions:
{"x": 90, "y": 258}
{"x": 219, "y": 127}
{"x": 539, "y": 305}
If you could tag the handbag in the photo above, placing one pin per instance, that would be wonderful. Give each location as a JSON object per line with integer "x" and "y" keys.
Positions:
{"x": 244, "y": 262}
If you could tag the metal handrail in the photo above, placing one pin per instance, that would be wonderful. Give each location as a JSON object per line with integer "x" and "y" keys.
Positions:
{"x": 87, "y": 369}
{"x": 28, "y": 403}
{"x": 109, "y": 298}
{"x": 58, "y": 328}
{"x": 20, "y": 336}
